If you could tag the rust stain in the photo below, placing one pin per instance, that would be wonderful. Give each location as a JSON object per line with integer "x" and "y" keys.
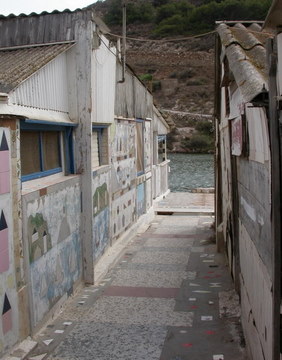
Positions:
{"x": 43, "y": 191}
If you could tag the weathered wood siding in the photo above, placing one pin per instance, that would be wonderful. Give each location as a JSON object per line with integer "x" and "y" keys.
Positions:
{"x": 245, "y": 186}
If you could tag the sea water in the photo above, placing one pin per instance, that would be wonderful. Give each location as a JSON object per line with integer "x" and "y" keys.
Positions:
{"x": 190, "y": 171}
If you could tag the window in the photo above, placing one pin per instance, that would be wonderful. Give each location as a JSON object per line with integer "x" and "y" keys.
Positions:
{"x": 140, "y": 146}
{"x": 45, "y": 149}
{"x": 99, "y": 146}
{"x": 161, "y": 148}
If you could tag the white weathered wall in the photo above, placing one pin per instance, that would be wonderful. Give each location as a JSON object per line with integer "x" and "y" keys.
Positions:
{"x": 104, "y": 78}
{"x": 46, "y": 89}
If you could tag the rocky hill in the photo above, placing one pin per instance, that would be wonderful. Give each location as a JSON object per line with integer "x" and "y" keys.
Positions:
{"x": 180, "y": 73}
{"x": 181, "y": 77}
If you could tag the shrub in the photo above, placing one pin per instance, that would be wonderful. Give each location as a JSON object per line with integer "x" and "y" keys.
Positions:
{"x": 157, "y": 85}
{"x": 142, "y": 12}
{"x": 205, "y": 127}
{"x": 198, "y": 143}
{"x": 146, "y": 77}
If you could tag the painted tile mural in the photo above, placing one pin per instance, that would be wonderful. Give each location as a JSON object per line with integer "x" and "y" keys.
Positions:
{"x": 147, "y": 147}
{"x": 40, "y": 238}
{"x": 52, "y": 231}
{"x": 8, "y": 294}
{"x": 123, "y": 212}
{"x": 141, "y": 204}
{"x": 123, "y": 155}
{"x": 148, "y": 194}
{"x": 101, "y": 213}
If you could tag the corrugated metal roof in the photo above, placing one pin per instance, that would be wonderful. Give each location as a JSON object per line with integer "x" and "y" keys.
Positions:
{"x": 64, "y": 22}
{"x": 18, "y": 64}
{"x": 246, "y": 54}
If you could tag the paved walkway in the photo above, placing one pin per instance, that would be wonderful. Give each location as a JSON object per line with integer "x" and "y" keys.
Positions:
{"x": 169, "y": 297}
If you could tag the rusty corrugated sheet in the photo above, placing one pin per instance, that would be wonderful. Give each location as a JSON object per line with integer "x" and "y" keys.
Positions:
{"x": 246, "y": 54}
{"x": 16, "y": 65}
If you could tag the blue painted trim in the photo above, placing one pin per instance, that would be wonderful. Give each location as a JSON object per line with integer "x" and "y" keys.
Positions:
{"x": 97, "y": 127}
{"x": 69, "y": 150}
{"x": 46, "y": 122}
{"x": 140, "y": 173}
{"x": 140, "y": 120}
{"x": 41, "y": 174}
{"x": 41, "y": 127}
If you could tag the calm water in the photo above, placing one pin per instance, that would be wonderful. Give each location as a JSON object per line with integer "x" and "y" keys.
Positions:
{"x": 189, "y": 171}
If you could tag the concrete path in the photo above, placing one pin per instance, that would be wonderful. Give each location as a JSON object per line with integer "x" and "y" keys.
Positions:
{"x": 170, "y": 297}
{"x": 187, "y": 203}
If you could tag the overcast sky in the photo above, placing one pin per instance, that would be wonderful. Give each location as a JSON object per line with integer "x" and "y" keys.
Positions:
{"x": 28, "y": 6}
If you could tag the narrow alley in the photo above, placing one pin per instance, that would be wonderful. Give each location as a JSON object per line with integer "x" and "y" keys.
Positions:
{"x": 169, "y": 296}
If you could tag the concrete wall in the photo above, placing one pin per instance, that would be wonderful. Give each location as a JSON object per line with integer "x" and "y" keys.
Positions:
{"x": 255, "y": 246}
{"x": 51, "y": 225}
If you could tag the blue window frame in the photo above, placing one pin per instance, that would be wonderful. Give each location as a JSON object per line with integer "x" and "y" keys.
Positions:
{"x": 46, "y": 148}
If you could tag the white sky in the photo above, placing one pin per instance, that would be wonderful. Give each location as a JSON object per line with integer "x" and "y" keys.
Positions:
{"x": 28, "y": 6}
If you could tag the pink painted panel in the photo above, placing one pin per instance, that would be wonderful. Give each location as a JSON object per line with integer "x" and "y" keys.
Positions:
{"x": 5, "y": 182}
{"x": 7, "y": 322}
{"x": 4, "y": 261}
{"x": 4, "y": 161}
{"x": 4, "y": 240}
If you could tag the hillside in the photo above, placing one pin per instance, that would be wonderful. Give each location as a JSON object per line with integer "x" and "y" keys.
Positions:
{"x": 179, "y": 73}
{"x": 181, "y": 77}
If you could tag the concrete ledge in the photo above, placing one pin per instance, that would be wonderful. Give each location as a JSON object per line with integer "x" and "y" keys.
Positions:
{"x": 21, "y": 351}
{"x": 186, "y": 211}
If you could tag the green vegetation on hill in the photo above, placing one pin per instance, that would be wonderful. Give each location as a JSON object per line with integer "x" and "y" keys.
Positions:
{"x": 184, "y": 17}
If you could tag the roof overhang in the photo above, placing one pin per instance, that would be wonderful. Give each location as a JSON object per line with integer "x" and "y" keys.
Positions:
{"x": 274, "y": 17}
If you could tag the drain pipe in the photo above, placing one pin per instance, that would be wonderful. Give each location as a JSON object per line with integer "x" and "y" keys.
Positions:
{"x": 123, "y": 53}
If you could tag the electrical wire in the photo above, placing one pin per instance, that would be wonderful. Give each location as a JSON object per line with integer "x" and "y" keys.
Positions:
{"x": 189, "y": 37}
{"x": 164, "y": 40}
